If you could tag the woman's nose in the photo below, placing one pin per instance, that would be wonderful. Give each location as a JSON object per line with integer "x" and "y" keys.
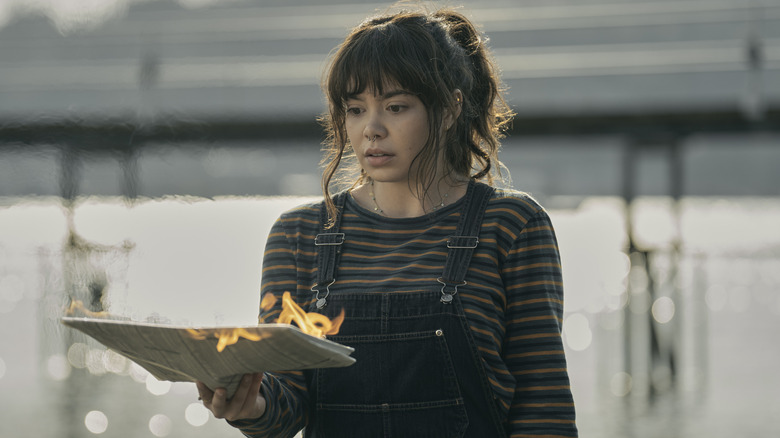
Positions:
{"x": 374, "y": 127}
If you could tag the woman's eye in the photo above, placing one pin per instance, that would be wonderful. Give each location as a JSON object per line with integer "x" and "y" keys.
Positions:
{"x": 353, "y": 111}
{"x": 395, "y": 108}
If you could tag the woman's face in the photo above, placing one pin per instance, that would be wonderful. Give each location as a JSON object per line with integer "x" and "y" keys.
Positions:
{"x": 397, "y": 122}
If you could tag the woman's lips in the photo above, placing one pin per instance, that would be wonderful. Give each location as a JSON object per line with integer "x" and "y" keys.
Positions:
{"x": 377, "y": 157}
{"x": 378, "y": 160}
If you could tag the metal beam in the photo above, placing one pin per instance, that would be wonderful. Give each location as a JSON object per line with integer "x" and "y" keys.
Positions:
{"x": 116, "y": 135}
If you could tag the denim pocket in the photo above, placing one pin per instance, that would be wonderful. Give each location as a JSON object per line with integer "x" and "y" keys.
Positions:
{"x": 378, "y": 397}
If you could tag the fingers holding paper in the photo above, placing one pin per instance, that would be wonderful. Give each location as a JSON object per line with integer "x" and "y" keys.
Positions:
{"x": 246, "y": 403}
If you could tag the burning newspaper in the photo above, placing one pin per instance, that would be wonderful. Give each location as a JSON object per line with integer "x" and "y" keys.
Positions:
{"x": 217, "y": 356}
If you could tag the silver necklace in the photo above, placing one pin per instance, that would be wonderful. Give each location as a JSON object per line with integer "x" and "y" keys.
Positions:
{"x": 382, "y": 212}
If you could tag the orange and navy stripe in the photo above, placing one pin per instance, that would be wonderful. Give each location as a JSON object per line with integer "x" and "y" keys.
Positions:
{"x": 513, "y": 300}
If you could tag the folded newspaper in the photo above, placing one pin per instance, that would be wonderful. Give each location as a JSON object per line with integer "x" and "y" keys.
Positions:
{"x": 181, "y": 354}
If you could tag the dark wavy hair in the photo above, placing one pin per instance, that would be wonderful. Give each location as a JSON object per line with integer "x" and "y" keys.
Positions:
{"x": 429, "y": 54}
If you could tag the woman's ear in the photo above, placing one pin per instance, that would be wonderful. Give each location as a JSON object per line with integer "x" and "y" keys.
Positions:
{"x": 451, "y": 113}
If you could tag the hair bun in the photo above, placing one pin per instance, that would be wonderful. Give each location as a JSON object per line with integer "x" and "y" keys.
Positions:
{"x": 461, "y": 30}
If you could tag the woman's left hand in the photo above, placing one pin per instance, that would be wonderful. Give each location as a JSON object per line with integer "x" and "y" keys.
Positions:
{"x": 246, "y": 403}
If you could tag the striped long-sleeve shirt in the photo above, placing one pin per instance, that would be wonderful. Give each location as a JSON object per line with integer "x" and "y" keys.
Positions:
{"x": 513, "y": 300}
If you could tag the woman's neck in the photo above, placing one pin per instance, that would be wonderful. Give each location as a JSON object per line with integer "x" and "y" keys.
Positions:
{"x": 399, "y": 200}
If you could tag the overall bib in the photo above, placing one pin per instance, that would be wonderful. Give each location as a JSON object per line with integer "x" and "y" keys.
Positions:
{"x": 418, "y": 371}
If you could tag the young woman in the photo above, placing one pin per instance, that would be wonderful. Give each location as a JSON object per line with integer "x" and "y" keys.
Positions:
{"x": 451, "y": 287}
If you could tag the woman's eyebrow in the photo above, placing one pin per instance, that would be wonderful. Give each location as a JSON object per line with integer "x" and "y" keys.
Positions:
{"x": 385, "y": 96}
{"x": 394, "y": 93}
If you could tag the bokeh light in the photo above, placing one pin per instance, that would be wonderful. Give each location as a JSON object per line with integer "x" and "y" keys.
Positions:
{"x": 621, "y": 264}
{"x": 77, "y": 355}
{"x": 639, "y": 278}
{"x": 115, "y": 362}
{"x": 96, "y": 422}
{"x": 617, "y": 267}
{"x": 576, "y": 330}
{"x": 196, "y": 414}
{"x": 663, "y": 310}
{"x": 620, "y": 384}
{"x": 160, "y": 425}
{"x": 157, "y": 387}
{"x": 95, "y": 361}
{"x": 616, "y": 302}
{"x": 137, "y": 373}
{"x": 58, "y": 367}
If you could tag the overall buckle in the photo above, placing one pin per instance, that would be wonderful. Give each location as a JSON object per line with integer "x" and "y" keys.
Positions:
{"x": 329, "y": 239}
{"x": 447, "y": 297}
{"x": 462, "y": 242}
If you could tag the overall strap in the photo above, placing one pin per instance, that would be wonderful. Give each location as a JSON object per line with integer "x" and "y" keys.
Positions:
{"x": 461, "y": 245}
{"x": 328, "y": 243}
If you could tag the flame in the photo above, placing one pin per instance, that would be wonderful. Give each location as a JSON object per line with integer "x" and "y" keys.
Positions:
{"x": 77, "y": 308}
{"x": 314, "y": 324}
{"x": 268, "y": 301}
{"x": 225, "y": 336}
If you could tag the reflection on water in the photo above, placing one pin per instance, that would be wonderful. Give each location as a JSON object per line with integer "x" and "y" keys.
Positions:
{"x": 661, "y": 343}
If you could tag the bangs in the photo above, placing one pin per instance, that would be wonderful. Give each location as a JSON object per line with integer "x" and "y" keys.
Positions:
{"x": 378, "y": 58}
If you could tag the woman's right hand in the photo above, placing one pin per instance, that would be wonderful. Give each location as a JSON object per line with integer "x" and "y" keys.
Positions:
{"x": 246, "y": 403}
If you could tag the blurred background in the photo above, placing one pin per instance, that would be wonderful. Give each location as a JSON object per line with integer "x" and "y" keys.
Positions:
{"x": 146, "y": 146}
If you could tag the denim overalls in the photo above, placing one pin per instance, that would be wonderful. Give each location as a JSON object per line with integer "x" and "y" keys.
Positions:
{"x": 418, "y": 371}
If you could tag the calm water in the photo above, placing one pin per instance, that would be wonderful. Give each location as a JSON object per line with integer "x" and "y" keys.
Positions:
{"x": 193, "y": 260}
